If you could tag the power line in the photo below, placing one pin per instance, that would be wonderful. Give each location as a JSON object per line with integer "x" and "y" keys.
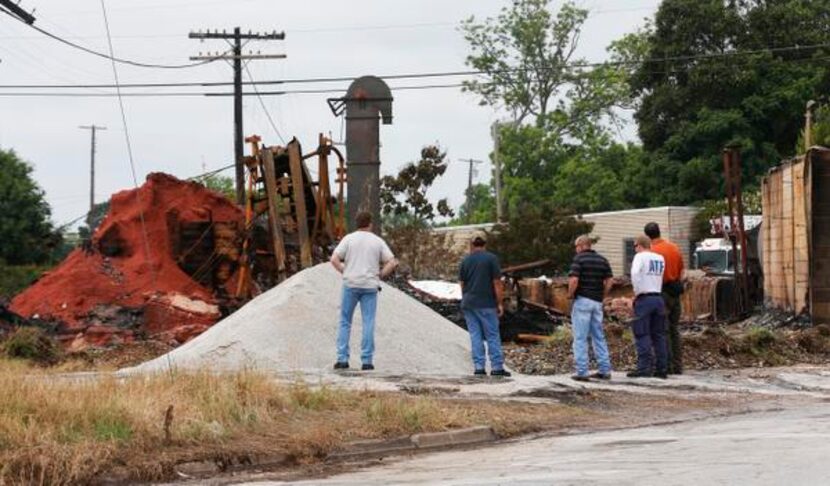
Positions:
{"x": 217, "y": 94}
{"x": 237, "y": 36}
{"x": 439, "y": 74}
{"x": 129, "y": 142}
{"x": 394, "y": 88}
{"x": 342, "y": 79}
{"x": 211, "y": 173}
{"x": 264, "y": 108}
{"x": 110, "y": 56}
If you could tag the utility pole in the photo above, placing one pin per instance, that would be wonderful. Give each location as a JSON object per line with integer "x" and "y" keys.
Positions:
{"x": 93, "y": 129}
{"x": 235, "y": 38}
{"x": 470, "y": 173}
{"x": 494, "y": 131}
{"x": 808, "y": 126}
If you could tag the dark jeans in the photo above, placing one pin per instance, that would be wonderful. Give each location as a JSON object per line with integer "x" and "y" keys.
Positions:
{"x": 650, "y": 334}
{"x": 675, "y": 348}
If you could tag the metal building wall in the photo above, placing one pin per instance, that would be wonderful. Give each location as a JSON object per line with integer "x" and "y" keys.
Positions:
{"x": 796, "y": 235}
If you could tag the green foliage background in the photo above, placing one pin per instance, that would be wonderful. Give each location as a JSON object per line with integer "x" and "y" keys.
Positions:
{"x": 26, "y": 232}
{"x": 701, "y": 75}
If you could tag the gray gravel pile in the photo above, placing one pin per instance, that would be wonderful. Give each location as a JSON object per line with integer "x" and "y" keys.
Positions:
{"x": 293, "y": 327}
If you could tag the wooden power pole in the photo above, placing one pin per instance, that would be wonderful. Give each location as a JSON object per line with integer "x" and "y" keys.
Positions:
{"x": 93, "y": 129}
{"x": 495, "y": 132}
{"x": 470, "y": 173}
{"x": 235, "y": 38}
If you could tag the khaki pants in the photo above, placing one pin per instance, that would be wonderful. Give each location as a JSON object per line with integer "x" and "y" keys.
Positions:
{"x": 672, "y": 319}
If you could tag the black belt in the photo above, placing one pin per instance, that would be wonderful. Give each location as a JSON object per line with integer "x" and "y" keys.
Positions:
{"x": 648, "y": 294}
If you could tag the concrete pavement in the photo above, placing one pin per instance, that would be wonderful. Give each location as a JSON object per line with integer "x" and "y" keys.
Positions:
{"x": 771, "y": 448}
{"x": 787, "y": 446}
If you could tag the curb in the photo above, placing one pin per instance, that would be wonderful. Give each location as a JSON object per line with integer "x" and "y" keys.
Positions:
{"x": 414, "y": 443}
{"x": 360, "y": 449}
{"x": 472, "y": 435}
{"x": 210, "y": 468}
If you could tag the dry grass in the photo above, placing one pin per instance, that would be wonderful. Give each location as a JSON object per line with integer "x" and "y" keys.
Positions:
{"x": 53, "y": 431}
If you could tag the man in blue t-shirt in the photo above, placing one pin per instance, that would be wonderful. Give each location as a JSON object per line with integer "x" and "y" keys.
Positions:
{"x": 481, "y": 290}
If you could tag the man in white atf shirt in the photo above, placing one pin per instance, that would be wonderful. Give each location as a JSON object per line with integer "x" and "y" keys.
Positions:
{"x": 359, "y": 257}
{"x": 649, "y": 325}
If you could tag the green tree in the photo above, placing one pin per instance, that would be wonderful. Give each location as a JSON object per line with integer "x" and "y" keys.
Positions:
{"x": 530, "y": 69}
{"x": 595, "y": 175}
{"x": 713, "y": 73}
{"x": 536, "y": 232}
{"x": 408, "y": 214}
{"x": 94, "y": 219}
{"x": 403, "y": 197}
{"x": 559, "y": 148}
{"x": 224, "y": 185}
{"x": 479, "y": 205}
{"x": 820, "y": 132}
{"x": 600, "y": 179}
{"x": 28, "y": 234}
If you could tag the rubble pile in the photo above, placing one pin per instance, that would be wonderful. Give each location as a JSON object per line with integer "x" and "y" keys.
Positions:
{"x": 293, "y": 328}
{"x": 153, "y": 268}
{"x": 768, "y": 338}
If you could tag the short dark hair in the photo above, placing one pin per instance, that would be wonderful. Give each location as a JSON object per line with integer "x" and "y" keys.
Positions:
{"x": 652, "y": 230}
{"x": 363, "y": 219}
{"x": 479, "y": 241}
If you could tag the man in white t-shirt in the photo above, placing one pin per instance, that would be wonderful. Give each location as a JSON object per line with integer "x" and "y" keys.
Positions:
{"x": 359, "y": 257}
{"x": 649, "y": 310}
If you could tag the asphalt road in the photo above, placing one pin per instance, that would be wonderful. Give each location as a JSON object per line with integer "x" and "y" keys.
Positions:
{"x": 787, "y": 447}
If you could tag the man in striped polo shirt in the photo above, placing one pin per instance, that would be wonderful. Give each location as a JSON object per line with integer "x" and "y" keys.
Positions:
{"x": 589, "y": 280}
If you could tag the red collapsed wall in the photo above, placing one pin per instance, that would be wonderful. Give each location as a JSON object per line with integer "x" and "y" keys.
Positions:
{"x": 139, "y": 273}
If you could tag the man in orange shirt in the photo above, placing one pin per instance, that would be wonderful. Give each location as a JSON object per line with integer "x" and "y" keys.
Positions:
{"x": 672, "y": 289}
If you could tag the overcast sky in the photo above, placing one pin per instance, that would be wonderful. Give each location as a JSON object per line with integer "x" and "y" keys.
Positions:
{"x": 186, "y": 136}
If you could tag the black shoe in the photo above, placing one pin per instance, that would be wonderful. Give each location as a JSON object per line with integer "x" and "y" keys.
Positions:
{"x": 367, "y": 367}
{"x": 675, "y": 372}
{"x": 601, "y": 376}
{"x": 480, "y": 373}
{"x": 638, "y": 374}
{"x": 341, "y": 365}
{"x": 580, "y": 378}
{"x": 503, "y": 373}
{"x": 662, "y": 375}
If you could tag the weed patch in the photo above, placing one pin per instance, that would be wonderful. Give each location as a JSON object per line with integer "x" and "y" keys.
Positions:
{"x": 54, "y": 431}
{"x": 32, "y": 343}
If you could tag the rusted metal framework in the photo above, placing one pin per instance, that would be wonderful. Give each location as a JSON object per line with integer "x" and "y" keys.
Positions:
{"x": 737, "y": 234}
{"x": 303, "y": 216}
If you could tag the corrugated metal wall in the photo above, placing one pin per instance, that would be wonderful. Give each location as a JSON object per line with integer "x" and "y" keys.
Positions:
{"x": 789, "y": 192}
{"x": 817, "y": 195}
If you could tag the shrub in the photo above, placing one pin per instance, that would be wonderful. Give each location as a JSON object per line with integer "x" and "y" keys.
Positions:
{"x": 562, "y": 336}
{"x": 760, "y": 338}
{"x": 32, "y": 343}
{"x": 14, "y": 279}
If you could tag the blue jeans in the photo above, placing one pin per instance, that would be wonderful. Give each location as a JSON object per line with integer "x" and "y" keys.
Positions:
{"x": 650, "y": 334}
{"x": 368, "y": 299}
{"x": 483, "y": 324}
{"x": 586, "y": 318}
